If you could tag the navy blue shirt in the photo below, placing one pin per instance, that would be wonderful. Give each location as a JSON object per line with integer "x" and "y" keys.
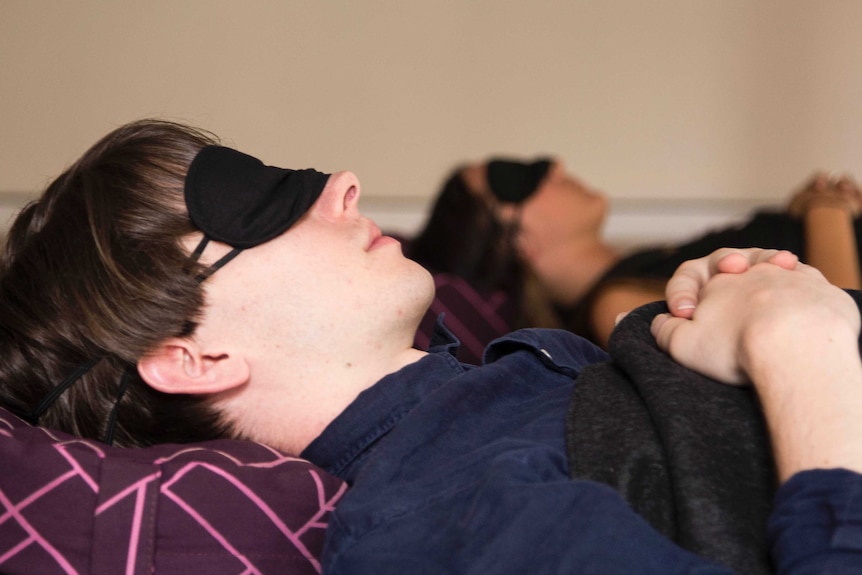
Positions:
{"x": 455, "y": 468}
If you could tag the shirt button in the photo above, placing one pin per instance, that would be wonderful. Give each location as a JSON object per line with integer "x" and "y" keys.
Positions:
{"x": 548, "y": 355}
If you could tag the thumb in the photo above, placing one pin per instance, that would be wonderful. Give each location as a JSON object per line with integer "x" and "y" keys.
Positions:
{"x": 663, "y": 328}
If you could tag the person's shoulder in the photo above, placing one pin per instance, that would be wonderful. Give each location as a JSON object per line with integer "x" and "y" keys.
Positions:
{"x": 620, "y": 297}
{"x": 560, "y": 349}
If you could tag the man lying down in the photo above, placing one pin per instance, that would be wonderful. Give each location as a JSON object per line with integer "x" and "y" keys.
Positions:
{"x": 168, "y": 289}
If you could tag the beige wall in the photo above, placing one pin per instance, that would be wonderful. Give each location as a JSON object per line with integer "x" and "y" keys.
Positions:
{"x": 682, "y": 99}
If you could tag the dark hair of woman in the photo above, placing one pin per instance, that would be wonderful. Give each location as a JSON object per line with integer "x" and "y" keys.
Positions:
{"x": 95, "y": 274}
{"x": 464, "y": 236}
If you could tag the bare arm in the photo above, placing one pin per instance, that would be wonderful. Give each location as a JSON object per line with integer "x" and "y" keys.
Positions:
{"x": 827, "y": 207}
{"x": 830, "y": 242}
{"x": 796, "y": 342}
{"x": 614, "y": 300}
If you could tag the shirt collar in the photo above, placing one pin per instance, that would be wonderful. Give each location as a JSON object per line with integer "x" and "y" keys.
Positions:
{"x": 442, "y": 338}
{"x": 379, "y": 408}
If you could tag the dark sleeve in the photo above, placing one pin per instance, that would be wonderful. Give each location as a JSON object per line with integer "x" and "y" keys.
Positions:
{"x": 817, "y": 523}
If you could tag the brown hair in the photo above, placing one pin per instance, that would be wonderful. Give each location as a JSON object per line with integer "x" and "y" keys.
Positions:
{"x": 464, "y": 236}
{"x": 96, "y": 268}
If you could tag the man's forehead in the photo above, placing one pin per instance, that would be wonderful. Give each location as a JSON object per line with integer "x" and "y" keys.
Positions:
{"x": 234, "y": 198}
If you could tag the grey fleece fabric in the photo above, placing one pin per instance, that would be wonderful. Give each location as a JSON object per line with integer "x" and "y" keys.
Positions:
{"x": 689, "y": 454}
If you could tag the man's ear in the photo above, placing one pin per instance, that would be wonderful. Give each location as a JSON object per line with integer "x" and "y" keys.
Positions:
{"x": 180, "y": 366}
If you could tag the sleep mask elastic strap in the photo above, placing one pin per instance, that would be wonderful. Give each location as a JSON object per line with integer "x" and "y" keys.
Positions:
{"x": 217, "y": 265}
{"x": 51, "y": 396}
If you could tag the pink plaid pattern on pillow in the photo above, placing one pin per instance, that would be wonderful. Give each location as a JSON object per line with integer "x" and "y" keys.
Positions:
{"x": 474, "y": 316}
{"x": 69, "y": 505}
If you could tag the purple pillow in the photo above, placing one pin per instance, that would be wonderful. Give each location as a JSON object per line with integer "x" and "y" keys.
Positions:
{"x": 476, "y": 317}
{"x": 69, "y": 505}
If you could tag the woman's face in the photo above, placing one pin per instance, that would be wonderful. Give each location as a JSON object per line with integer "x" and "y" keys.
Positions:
{"x": 562, "y": 209}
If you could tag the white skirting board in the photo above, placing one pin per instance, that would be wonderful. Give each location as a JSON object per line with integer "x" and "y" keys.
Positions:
{"x": 631, "y": 222}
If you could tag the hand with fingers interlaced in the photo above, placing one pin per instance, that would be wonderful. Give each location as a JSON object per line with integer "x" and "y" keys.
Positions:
{"x": 761, "y": 317}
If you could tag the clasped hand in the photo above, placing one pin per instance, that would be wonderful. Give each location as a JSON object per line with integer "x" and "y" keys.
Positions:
{"x": 739, "y": 311}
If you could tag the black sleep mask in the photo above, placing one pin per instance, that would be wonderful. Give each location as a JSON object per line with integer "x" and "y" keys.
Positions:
{"x": 235, "y": 199}
{"x": 513, "y": 182}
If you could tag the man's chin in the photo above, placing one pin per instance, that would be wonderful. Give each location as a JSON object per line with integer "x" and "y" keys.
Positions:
{"x": 422, "y": 285}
